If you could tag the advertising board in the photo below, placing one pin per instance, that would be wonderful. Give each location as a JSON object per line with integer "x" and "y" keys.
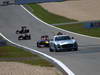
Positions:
{"x": 34, "y": 1}
{"x": 94, "y": 24}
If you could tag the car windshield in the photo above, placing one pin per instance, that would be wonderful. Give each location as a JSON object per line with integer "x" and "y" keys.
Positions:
{"x": 60, "y": 38}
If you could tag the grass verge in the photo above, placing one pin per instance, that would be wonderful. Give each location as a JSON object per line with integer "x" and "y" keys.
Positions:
{"x": 46, "y": 16}
{"x": 79, "y": 28}
{"x": 10, "y": 53}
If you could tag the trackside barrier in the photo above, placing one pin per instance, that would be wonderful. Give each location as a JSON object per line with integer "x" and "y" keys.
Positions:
{"x": 59, "y": 64}
{"x": 34, "y": 1}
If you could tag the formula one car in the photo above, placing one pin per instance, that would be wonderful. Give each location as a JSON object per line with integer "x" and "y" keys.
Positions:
{"x": 23, "y": 30}
{"x": 59, "y": 33}
{"x": 24, "y": 37}
{"x": 44, "y": 42}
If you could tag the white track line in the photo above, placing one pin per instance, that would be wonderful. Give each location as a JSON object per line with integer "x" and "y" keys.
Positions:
{"x": 63, "y": 66}
{"x": 57, "y": 27}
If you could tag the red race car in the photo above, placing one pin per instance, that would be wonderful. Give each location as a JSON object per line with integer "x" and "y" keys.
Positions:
{"x": 44, "y": 42}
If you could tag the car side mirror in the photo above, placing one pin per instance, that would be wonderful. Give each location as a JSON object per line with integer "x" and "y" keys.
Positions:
{"x": 72, "y": 37}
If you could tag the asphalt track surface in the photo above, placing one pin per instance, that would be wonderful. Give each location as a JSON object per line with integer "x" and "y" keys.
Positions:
{"x": 86, "y": 61}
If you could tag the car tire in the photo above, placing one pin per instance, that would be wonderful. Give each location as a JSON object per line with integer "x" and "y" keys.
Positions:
{"x": 55, "y": 50}
{"x": 51, "y": 50}
{"x": 38, "y": 45}
{"x": 76, "y": 49}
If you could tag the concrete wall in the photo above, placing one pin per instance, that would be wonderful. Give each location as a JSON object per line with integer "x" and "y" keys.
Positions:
{"x": 34, "y": 1}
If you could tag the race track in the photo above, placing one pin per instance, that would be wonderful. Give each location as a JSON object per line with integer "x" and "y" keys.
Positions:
{"x": 86, "y": 61}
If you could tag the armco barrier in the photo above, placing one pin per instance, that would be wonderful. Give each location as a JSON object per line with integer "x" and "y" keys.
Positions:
{"x": 34, "y": 1}
{"x": 57, "y": 63}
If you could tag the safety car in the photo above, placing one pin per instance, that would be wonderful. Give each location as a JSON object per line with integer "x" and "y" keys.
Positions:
{"x": 62, "y": 42}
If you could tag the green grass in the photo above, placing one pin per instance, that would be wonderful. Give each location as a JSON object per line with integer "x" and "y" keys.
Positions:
{"x": 79, "y": 28}
{"x": 46, "y": 16}
{"x": 10, "y": 53}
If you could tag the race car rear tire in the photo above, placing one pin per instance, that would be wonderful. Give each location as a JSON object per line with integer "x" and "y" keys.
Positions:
{"x": 38, "y": 45}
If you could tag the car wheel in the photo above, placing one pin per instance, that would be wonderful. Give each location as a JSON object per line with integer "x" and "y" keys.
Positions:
{"x": 76, "y": 45}
{"x": 51, "y": 50}
{"x": 38, "y": 45}
{"x": 55, "y": 49}
{"x": 20, "y": 39}
{"x": 76, "y": 49}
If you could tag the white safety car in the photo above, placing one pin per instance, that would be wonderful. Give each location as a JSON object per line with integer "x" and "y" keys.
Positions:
{"x": 62, "y": 42}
